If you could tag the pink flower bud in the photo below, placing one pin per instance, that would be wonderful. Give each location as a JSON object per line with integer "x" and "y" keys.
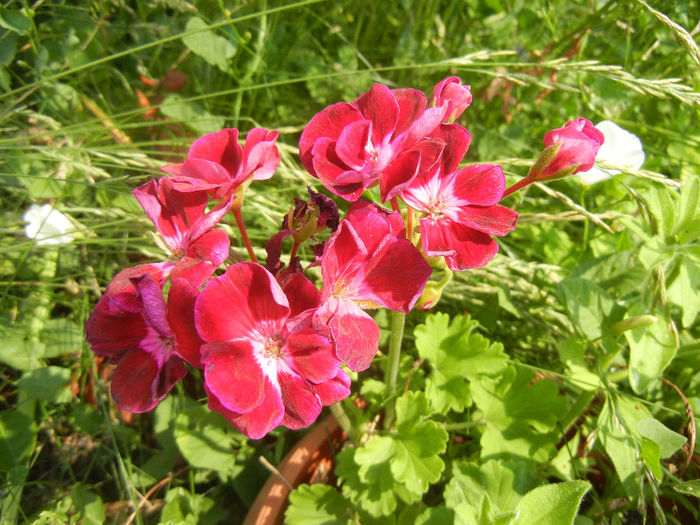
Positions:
{"x": 451, "y": 92}
{"x": 578, "y": 142}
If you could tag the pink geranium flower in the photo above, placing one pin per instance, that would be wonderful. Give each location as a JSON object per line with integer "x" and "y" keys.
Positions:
{"x": 217, "y": 162}
{"x": 149, "y": 341}
{"x": 579, "y": 142}
{"x": 264, "y": 364}
{"x": 180, "y": 218}
{"x": 383, "y": 136}
{"x": 459, "y": 211}
{"x": 367, "y": 263}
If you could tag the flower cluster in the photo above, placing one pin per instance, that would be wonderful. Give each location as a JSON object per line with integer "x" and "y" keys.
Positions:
{"x": 273, "y": 347}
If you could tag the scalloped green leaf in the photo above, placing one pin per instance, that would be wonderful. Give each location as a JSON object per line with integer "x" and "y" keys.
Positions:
{"x": 317, "y": 505}
{"x": 555, "y": 504}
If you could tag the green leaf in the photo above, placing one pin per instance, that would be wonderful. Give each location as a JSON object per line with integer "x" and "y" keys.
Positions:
{"x": 652, "y": 457}
{"x": 17, "y": 438}
{"x": 183, "y": 508}
{"x": 655, "y": 251}
{"x": 202, "y": 440}
{"x": 88, "y": 504}
{"x": 688, "y": 204}
{"x": 317, "y": 505}
{"x": 684, "y": 290}
{"x": 591, "y": 309}
{"x": 455, "y": 355}
{"x": 47, "y": 384}
{"x": 436, "y": 516}
{"x": 651, "y": 349}
{"x": 691, "y": 488}
{"x": 20, "y": 354}
{"x": 61, "y": 336}
{"x": 555, "y": 504}
{"x": 214, "y": 49}
{"x": 667, "y": 440}
{"x": 15, "y": 21}
{"x": 371, "y": 487}
{"x": 502, "y": 484}
{"x": 661, "y": 206}
{"x": 572, "y": 352}
{"x": 8, "y": 47}
{"x": 191, "y": 114}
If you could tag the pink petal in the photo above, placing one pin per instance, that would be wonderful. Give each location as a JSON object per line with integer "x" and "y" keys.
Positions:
{"x": 352, "y": 143}
{"x": 328, "y": 123}
{"x": 244, "y": 302}
{"x": 340, "y": 250}
{"x": 301, "y": 406}
{"x": 211, "y": 219}
{"x": 259, "y": 421}
{"x": 233, "y": 375}
{"x": 181, "y": 298}
{"x": 494, "y": 220}
{"x": 480, "y": 184}
{"x": 379, "y": 106}
{"x": 205, "y": 175}
{"x": 335, "y": 389}
{"x": 422, "y": 127}
{"x": 312, "y": 356}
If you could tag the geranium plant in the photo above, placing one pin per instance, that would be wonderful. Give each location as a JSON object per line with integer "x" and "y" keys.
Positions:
{"x": 274, "y": 343}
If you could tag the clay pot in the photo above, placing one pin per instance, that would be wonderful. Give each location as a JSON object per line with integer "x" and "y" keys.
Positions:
{"x": 310, "y": 461}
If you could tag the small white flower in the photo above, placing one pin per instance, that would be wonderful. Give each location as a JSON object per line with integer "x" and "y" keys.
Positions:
{"x": 48, "y": 227}
{"x": 621, "y": 149}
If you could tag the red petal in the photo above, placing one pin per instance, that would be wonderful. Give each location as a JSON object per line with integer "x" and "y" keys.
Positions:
{"x": 301, "y": 293}
{"x": 473, "y": 249}
{"x": 480, "y": 184}
{"x": 436, "y": 238}
{"x": 181, "y": 298}
{"x": 352, "y": 143}
{"x": 112, "y": 331}
{"x": 334, "y": 390}
{"x": 411, "y": 106}
{"x": 301, "y": 405}
{"x": 494, "y": 220}
{"x": 233, "y": 375}
{"x": 327, "y": 123}
{"x": 260, "y": 154}
{"x": 221, "y": 148}
{"x": 312, "y": 356}
{"x": 244, "y": 302}
{"x": 122, "y": 291}
{"x": 137, "y": 382}
{"x": 203, "y": 257}
{"x": 259, "y": 421}
{"x": 355, "y": 333}
{"x": 457, "y": 140}
{"x": 399, "y": 174}
{"x": 154, "y": 309}
{"x": 379, "y": 106}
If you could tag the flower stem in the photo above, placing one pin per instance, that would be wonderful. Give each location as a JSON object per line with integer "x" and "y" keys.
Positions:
{"x": 518, "y": 185}
{"x": 244, "y": 235}
{"x": 343, "y": 420}
{"x": 392, "y": 367}
{"x": 409, "y": 223}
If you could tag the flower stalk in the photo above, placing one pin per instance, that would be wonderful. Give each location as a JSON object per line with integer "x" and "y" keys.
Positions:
{"x": 244, "y": 234}
{"x": 392, "y": 368}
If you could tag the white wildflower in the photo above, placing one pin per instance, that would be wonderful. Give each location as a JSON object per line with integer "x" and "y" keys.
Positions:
{"x": 48, "y": 227}
{"x": 621, "y": 149}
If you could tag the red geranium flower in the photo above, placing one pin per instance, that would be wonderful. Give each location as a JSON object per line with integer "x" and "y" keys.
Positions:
{"x": 148, "y": 341}
{"x": 459, "y": 210}
{"x": 367, "y": 263}
{"x": 187, "y": 231}
{"x": 264, "y": 364}
{"x": 383, "y": 136}
{"x": 217, "y": 162}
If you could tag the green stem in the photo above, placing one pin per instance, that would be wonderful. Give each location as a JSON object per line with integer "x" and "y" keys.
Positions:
{"x": 392, "y": 367}
{"x": 343, "y": 420}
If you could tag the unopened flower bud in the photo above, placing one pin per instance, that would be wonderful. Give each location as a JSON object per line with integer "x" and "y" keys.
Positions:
{"x": 578, "y": 141}
{"x": 451, "y": 92}
{"x": 638, "y": 321}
